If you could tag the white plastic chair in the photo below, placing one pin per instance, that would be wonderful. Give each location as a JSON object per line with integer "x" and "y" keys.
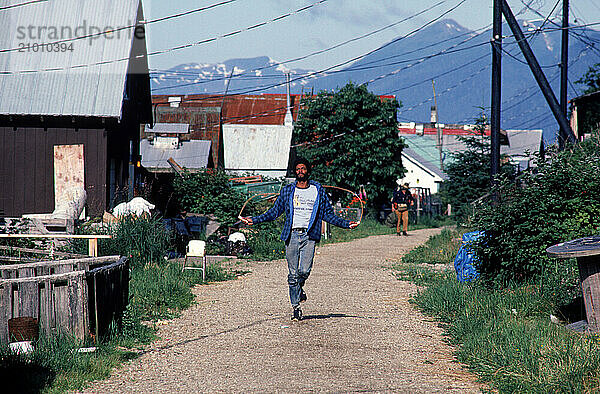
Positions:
{"x": 196, "y": 248}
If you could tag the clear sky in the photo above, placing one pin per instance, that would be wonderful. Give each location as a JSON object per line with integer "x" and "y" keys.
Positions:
{"x": 319, "y": 27}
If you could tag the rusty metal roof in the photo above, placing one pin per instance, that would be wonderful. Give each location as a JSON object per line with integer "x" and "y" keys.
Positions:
{"x": 76, "y": 77}
{"x": 265, "y": 109}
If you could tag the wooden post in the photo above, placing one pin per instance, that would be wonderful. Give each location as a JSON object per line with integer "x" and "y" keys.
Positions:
{"x": 93, "y": 247}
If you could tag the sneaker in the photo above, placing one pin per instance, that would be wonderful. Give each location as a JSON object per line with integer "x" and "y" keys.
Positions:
{"x": 404, "y": 233}
{"x": 297, "y": 314}
{"x": 302, "y": 295}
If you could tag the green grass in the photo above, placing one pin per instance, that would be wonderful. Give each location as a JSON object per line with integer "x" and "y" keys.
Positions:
{"x": 439, "y": 249}
{"x": 366, "y": 228}
{"x": 505, "y": 335}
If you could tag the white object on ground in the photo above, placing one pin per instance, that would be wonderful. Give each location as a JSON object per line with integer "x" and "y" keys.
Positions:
{"x": 86, "y": 349}
{"x": 22, "y": 347}
{"x": 554, "y": 319}
{"x": 237, "y": 236}
{"x": 137, "y": 206}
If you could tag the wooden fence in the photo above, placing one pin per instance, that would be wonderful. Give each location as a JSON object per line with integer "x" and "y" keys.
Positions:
{"x": 65, "y": 295}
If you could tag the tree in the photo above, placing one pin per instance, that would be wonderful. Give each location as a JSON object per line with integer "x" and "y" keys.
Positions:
{"x": 351, "y": 139}
{"x": 469, "y": 171}
{"x": 591, "y": 79}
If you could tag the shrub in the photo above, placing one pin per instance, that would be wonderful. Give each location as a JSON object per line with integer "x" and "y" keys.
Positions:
{"x": 209, "y": 192}
{"x": 558, "y": 202}
{"x": 144, "y": 240}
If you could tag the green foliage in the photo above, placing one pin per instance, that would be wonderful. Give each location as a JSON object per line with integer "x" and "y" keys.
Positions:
{"x": 367, "y": 228}
{"x": 591, "y": 79}
{"x": 351, "y": 139}
{"x": 264, "y": 241}
{"x": 558, "y": 202}
{"x": 469, "y": 172}
{"x": 439, "y": 249}
{"x": 209, "y": 193}
{"x": 507, "y": 338}
{"x": 144, "y": 240}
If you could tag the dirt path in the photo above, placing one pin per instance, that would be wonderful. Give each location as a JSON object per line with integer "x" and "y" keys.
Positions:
{"x": 359, "y": 334}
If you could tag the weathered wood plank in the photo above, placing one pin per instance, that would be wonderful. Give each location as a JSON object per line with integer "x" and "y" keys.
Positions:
{"x": 39, "y": 251}
{"x": 89, "y": 260}
{"x": 5, "y": 311}
{"x": 45, "y": 304}
{"x": 55, "y": 277}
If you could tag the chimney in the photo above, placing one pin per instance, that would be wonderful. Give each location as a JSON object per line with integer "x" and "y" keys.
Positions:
{"x": 288, "y": 120}
{"x": 434, "y": 115}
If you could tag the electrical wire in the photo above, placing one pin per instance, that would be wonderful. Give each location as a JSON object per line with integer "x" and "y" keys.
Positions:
{"x": 158, "y": 52}
{"x": 6, "y": 7}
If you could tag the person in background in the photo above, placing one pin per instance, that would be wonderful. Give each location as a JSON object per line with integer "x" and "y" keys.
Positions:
{"x": 306, "y": 205}
{"x": 401, "y": 200}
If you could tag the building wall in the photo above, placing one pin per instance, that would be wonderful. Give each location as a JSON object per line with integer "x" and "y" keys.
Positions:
{"x": 27, "y": 168}
{"x": 262, "y": 149}
{"x": 416, "y": 176}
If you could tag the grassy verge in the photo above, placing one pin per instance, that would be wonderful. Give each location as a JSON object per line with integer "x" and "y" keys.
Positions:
{"x": 157, "y": 292}
{"x": 506, "y": 335}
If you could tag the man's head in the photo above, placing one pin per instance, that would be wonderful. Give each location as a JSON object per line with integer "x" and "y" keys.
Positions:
{"x": 302, "y": 169}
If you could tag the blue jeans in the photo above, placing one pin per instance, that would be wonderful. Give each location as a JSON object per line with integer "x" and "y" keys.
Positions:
{"x": 299, "y": 252}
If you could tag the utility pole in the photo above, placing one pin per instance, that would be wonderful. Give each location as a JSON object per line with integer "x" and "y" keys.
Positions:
{"x": 496, "y": 88}
{"x": 564, "y": 60}
{"x": 565, "y": 128}
{"x": 440, "y": 137}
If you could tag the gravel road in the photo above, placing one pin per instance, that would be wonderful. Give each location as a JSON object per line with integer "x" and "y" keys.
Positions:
{"x": 360, "y": 333}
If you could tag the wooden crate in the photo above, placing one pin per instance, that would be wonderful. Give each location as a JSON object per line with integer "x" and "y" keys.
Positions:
{"x": 57, "y": 293}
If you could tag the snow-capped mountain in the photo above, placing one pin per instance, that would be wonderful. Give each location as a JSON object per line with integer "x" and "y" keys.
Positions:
{"x": 456, "y": 58}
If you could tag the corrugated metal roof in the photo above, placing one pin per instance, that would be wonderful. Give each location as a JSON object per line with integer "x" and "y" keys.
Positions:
{"x": 521, "y": 141}
{"x": 168, "y": 128}
{"x": 268, "y": 109}
{"x": 96, "y": 90}
{"x": 192, "y": 155}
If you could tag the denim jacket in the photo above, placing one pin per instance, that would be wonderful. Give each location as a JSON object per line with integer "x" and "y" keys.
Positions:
{"x": 322, "y": 210}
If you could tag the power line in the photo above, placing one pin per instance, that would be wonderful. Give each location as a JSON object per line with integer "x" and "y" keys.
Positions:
{"x": 159, "y": 52}
{"x": 121, "y": 28}
{"x": 6, "y": 7}
{"x": 312, "y": 73}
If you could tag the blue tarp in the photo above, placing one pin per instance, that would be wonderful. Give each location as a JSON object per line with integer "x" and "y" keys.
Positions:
{"x": 463, "y": 263}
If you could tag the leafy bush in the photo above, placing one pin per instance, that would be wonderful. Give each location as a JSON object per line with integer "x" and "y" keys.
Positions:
{"x": 558, "y": 202}
{"x": 360, "y": 135}
{"x": 209, "y": 192}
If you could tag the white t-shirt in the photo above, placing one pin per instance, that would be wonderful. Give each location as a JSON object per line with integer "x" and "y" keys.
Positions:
{"x": 304, "y": 201}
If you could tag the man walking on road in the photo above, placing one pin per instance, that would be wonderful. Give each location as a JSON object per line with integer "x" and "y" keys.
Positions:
{"x": 305, "y": 204}
{"x": 401, "y": 200}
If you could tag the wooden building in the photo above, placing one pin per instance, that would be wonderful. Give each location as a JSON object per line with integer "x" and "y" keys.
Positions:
{"x": 83, "y": 95}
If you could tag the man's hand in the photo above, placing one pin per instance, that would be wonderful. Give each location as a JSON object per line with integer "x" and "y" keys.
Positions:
{"x": 246, "y": 220}
{"x": 353, "y": 225}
